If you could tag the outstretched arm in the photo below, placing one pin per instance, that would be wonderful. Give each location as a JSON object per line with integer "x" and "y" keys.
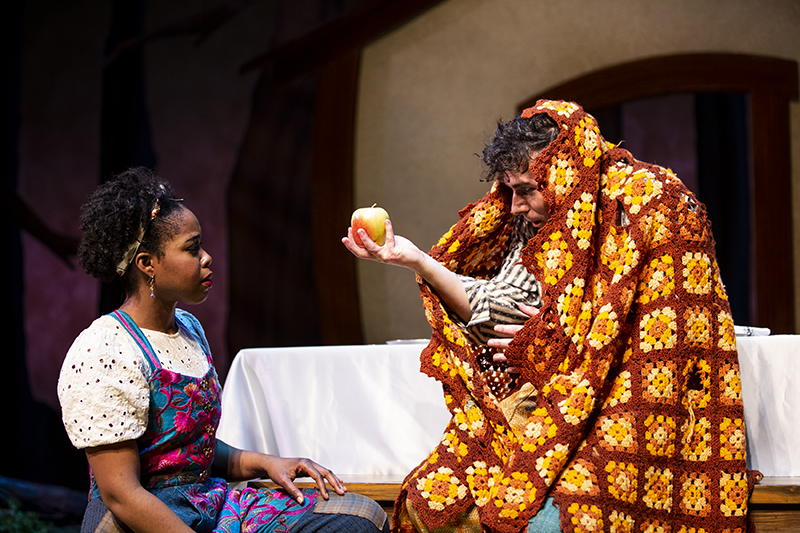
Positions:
{"x": 239, "y": 465}
{"x": 400, "y": 251}
{"x": 117, "y": 471}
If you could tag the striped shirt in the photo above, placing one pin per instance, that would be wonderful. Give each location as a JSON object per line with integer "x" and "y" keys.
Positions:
{"x": 496, "y": 301}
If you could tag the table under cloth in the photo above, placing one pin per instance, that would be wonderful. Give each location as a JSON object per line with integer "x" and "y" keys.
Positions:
{"x": 362, "y": 411}
{"x": 770, "y": 371}
{"x": 368, "y": 413}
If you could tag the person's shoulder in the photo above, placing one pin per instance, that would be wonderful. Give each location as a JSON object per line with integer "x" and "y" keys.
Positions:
{"x": 103, "y": 333}
{"x": 104, "y": 336}
{"x": 189, "y": 321}
{"x": 101, "y": 328}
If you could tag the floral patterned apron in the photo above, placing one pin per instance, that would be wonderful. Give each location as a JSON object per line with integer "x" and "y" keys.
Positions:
{"x": 177, "y": 450}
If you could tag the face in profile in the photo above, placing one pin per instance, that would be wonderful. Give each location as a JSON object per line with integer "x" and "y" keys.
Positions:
{"x": 527, "y": 200}
{"x": 183, "y": 272}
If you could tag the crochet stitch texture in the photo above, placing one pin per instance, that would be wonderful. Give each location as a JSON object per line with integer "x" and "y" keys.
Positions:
{"x": 638, "y": 423}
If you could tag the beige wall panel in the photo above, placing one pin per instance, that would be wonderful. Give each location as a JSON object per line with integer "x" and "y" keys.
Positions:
{"x": 432, "y": 91}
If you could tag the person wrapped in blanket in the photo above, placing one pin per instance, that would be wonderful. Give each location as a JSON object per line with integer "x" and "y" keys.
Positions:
{"x": 617, "y": 405}
{"x": 140, "y": 395}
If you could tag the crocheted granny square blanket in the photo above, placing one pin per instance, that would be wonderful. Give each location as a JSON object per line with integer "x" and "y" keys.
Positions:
{"x": 638, "y": 421}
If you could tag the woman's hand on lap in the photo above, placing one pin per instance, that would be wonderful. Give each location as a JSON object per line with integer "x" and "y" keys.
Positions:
{"x": 239, "y": 465}
{"x": 284, "y": 471}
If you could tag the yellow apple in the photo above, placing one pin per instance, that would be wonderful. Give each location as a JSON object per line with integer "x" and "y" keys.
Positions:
{"x": 371, "y": 219}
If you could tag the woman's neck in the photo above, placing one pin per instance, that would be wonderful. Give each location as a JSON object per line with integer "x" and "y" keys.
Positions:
{"x": 151, "y": 313}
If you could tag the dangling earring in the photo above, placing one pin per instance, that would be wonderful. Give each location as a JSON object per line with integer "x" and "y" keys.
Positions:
{"x": 152, "y": 287}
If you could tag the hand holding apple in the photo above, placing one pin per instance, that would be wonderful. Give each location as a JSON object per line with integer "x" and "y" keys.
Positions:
{"x": 385, "y": 247}
{"x": 372, "y": 220}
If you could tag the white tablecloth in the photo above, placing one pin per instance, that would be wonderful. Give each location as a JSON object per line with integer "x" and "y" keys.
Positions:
{"x": 770, "y": 368}
{"x": 359, "y": 410}
{"x": 367, "y": 411}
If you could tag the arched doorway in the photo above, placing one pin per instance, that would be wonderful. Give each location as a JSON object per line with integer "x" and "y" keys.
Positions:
{"x": 769, "y": 84}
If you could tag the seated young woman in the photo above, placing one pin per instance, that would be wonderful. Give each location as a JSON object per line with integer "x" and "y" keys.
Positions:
{"x": 139, "y": 392}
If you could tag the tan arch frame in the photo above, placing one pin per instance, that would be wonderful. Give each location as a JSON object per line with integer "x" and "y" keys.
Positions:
{"x": 771, "y": 84}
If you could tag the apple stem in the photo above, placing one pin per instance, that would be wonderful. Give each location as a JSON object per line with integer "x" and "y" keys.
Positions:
{"x": 373, "y": 205}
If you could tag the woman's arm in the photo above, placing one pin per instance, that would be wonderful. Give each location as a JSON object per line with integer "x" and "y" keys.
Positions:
{"x": 400, "y": 251}
{"x": 239, "y": 465}
{"x": 117, "y": 471}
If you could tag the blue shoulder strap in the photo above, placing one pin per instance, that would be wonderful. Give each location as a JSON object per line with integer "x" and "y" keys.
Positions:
{"x": 130, "y": 326}
{"x": 183, "y": 319}
{"x": 189, "y": 323}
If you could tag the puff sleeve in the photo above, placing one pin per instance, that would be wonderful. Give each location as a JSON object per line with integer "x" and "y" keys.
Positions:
{"x": 103, "y": 387}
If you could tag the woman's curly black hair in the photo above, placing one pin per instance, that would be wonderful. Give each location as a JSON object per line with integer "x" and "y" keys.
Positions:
{"x": 113, "y": 216}
{"x": 513, "y": 142}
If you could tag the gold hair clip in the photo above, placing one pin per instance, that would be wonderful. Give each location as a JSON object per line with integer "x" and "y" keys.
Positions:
{"x": 130, "y": 253}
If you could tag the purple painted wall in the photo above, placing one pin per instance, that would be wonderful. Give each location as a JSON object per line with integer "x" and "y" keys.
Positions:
{"x": 199, "y": 105}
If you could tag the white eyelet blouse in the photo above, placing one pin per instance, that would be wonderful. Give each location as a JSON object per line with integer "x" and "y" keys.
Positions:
{"x": 103, "y": 385}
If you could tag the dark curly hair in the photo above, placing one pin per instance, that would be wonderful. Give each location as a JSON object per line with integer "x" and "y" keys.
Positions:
{"x": 513, "y": 141}
{"x": 113, "y": 216}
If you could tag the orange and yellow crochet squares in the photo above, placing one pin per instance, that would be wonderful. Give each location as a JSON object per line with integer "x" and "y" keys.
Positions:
{"x": 637, "y": 424}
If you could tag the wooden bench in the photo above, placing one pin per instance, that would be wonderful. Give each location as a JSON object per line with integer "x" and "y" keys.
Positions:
{"x": 774, "y": 504}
